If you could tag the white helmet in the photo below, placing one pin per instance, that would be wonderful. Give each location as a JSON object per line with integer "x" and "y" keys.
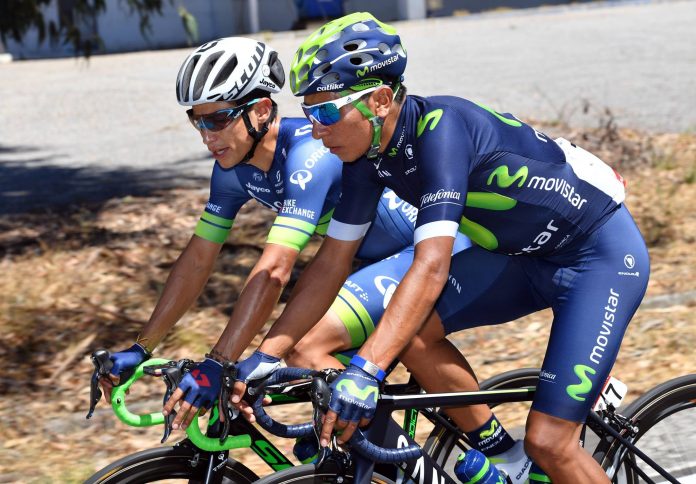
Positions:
{"x": 228, "y": 69}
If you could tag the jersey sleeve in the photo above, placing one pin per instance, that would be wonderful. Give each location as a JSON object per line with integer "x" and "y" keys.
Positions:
{"x": 312, "y": 173}
{"x": 226, "y": 198}
{"x": 360, "y": 194}
{"x": 446, "y": 152}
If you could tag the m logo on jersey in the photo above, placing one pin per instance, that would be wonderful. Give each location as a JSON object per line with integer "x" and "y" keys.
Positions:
{"x": 258, "y": 177}
{"x": 433, "y": 117}
{"x": 301, "y": 177}
{"x": 386, "y": 287}
{"x": 504, "y": 180}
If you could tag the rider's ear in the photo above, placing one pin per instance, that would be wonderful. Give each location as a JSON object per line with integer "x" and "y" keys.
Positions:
{"x": 262, "y": 109}
{"x": 382, "y": 99}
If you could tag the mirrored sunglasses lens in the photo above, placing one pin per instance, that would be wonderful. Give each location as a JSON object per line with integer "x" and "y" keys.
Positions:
{"x": 326, "y": 114}
{"x": 211, "y": 122}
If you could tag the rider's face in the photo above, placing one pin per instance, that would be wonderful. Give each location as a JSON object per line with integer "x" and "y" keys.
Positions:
{"x": 229, "y": 144}
{"x": 350, "y": 137}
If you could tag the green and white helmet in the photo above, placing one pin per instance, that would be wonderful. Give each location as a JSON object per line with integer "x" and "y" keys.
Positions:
{"x": 343, "y": 52}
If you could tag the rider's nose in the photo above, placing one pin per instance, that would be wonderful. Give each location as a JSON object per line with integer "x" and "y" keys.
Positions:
{"x": 208, "y": 136}
{"x": 318, "y": 130}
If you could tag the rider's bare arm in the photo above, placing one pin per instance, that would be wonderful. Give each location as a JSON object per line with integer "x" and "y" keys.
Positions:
{"x": 184, "y": 284}
{"x": 257, "y": 300}
{"x": 412, "y": 302}
{"x": 312, "y": 296}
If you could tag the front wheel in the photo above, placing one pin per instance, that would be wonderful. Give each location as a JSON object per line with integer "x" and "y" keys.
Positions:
{"x": 308, "y": 474}
{"x": 665, "y": 417}
{"x": 180, "y": 462}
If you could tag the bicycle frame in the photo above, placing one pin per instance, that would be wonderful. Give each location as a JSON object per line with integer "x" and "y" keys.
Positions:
{"x": 384, "y": 432}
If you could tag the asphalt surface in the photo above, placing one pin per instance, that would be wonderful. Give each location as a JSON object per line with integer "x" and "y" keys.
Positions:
{"x": 73, "y": 130}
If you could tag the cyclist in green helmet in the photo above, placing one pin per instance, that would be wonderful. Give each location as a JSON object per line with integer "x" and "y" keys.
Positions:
{"x": 544, "y": 214}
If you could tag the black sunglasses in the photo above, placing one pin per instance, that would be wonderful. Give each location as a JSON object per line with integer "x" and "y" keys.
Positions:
{"x": 218, "y": 120}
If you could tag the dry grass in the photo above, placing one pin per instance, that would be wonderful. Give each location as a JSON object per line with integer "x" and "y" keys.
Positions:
{"x": 74, "y": 281}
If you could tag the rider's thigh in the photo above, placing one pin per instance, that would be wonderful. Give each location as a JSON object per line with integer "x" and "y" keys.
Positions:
{"x": 315, "y": 348}
{"x": 486, "y": 288}
{"x": 593, "y": 299}
{"x": 365, "y": 294}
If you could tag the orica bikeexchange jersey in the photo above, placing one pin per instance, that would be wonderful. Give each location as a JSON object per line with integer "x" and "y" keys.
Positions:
{"x": 303, "y": 186}
{"x": 510, "y": 188}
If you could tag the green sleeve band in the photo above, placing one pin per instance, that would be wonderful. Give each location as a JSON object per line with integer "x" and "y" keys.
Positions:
{"x": 354, "y": 316}
{"x": 323, "y": 224}
{"x": 290, "y": 232}
{"x": 213, "y": 228}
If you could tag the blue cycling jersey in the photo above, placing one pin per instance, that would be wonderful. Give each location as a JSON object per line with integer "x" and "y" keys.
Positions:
{"x": 486, "y": 174}
{"x": 516, "y": 193}
{"x": 303, "y": 186}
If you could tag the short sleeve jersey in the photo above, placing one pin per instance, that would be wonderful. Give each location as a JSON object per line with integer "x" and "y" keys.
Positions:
{"x": 303, "y": 186}
{"x": 466, "y": 167}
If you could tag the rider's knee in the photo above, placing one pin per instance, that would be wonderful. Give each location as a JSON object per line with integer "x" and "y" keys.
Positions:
{"x": 545, "y": 442}
{"x": 303, "y": 355}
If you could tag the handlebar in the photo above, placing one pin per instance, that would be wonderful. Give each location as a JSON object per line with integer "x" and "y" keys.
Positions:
{"x": 160, "y": 367}
{"x": 320, "y": 396}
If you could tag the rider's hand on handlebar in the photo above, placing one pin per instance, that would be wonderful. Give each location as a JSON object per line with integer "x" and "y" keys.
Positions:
{"x": 124, "y": 363}
{"x": 199, "y": 389}
{"x": 353, "y": 401}
{"x": 259, "y": 365}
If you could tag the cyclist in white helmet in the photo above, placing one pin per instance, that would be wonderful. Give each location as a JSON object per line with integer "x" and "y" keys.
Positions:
{"x": 227, "y": 85}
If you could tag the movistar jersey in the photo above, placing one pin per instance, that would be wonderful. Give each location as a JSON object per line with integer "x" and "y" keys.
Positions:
{"x": 303, "y": 186}
{"x": 510, "y": 188}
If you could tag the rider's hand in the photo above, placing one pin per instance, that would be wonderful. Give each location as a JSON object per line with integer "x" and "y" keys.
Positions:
{"x": 124, "y": 361}
{"x": 199, "y": 389}
{"x": 258, "y": 365}
{"x": 353, "y": 401}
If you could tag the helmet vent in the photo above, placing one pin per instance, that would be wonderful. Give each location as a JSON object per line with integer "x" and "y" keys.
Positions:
{"x": 312, "y": 50}
{"x": 186, "y": 79}
{"x": 322, "y": 55}
{"x": 333, "y": 38}
{"x": 203, "y": 74}
{"x": 360, "y": 27}
{"x": 277, "y": 73}
{"x": 225, "y": 72}
{"x": 384, "y": 48}
{"x": 322, "y": 70}
{"x": 353, "y": 45}
{"x": 361, "y": 59}
{"x": 330, "y": 78}
{"x": 398, "y": 48}
{"x": 303, "y": 71}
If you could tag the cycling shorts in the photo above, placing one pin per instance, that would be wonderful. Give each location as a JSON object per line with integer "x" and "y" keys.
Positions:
{"x": 365, "y": 294}
{"x": 594, "y": 287}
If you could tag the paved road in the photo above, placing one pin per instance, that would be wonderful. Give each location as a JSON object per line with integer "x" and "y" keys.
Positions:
{"x": 74, "y": 130}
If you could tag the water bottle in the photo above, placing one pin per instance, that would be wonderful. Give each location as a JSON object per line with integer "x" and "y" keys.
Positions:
{"x": 474, "y": 468}
{"x": 306, "y": 449}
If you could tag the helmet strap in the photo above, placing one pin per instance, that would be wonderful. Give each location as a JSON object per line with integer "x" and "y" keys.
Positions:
{"x": 257, "y": 135}
{"x": 377, "y": 123}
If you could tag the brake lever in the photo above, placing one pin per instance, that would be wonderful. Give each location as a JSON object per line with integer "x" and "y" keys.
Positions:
{"x": 225, "y": 408}
{"x": 172, "y": 374}
{"x": 101, "y": 359}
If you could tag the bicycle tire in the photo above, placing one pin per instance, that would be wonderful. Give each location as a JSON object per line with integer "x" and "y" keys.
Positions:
{"x": 444, "y": 446}
{"x": 659, "y": 414}
{"x": 167, "y": 463}
{"x": 306, "y": 474}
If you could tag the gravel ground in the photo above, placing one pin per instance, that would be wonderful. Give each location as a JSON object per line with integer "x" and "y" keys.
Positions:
{"x": 74, "y": 130}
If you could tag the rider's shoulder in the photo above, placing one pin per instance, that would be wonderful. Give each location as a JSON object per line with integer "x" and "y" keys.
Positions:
{"x": 431, "y": 110}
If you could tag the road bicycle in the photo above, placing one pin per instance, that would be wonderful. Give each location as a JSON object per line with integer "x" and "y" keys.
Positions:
{"x": 384, "y": 453}
{"x": 198, "y": 458}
